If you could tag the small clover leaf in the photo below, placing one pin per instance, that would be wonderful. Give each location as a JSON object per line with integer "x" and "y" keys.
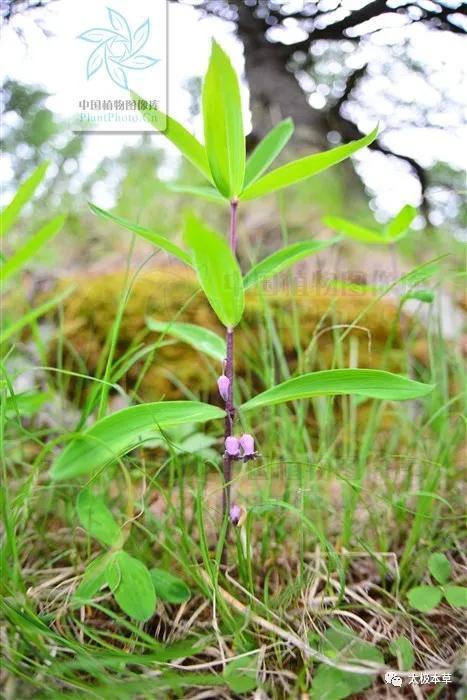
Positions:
{"x": 439, "y": 567}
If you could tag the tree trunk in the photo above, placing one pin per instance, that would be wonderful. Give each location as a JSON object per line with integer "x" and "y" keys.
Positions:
{"x": 274, "y": 90}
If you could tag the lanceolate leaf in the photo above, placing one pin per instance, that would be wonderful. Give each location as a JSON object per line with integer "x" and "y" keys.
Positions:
{"x": 97, "y": 519}
{"x": 31, "y": 247}
{"x": 218, "y": 271}
{"x": 115, "y": 435}
{"x": 282, "y": 259}
{"x": 200, "y": 338}
{"x": 395, "y": 230}
{"x": 148, "y": 234}
{"x": 223, "y": 124}
{"x": 355, "y": 231}
{"x": 371, "y": 383}
{"x": 186, "y": 143}
{"x": 131, "y": 583}
{"x": 208, "y": 193}
{"x": 23, "y": 195}
{"x": 304, "y": 167}
{"x": 401, "y": 222}
{"x": 267, "y": 150}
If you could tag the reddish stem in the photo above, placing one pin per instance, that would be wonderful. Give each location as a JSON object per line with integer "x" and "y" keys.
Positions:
{"x": 229, "y": 373}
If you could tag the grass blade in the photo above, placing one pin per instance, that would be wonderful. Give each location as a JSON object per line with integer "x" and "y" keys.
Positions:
{"x": 31, "y": 247}
{"x": 24, "y": 193}
{"x": 31, "y": 316}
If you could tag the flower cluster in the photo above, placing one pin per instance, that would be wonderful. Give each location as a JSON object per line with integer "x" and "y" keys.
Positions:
{"x": 241, "y": 448}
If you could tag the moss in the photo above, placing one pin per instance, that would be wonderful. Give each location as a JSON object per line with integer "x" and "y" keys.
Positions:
{"x": 90, "y": 312}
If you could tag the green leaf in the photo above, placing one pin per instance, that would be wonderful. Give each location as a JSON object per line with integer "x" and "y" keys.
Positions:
{"x": 399, "y": 225}
{"x": 223, "y": 124}
{"x": 456, "y": 596}
{"x": 169, "y": 587}
{"x": 186, "y": 143}
{"x": 330, "y": 684}
{"x": 240, "y": 674}
{"x": 122, "y": 431}
{"x": 402, "y": 649}
{"x": 31, "y": 247}
{"x": 282, "y": 259}
{"x": 421, "y": 273}
{"x": 303, "y": 168}
{"x": 95, "y": 576}
{"x": 343, "y": 645}
{"x": 148, "y": 234}
{"x": 439, "y": 567}
{"x": 131, "y": 584}
{"x": 267, "y": 150}
{"x": 200, "y": 338}
{"x": 354, "y": 231}
{"x": 25, "y": 192}
{"x": 27, "y": 403}
{"x": 218, "y": 271}
{"x": 424, "y": 598}
{"x": 370, "y": 383}
{"x": 208, "y": 193}
{"x": 97, "y": 519}
{"x": 424, "y": 295}
{"x": 396, "y": 229}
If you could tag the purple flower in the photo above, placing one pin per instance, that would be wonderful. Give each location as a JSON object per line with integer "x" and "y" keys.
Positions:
{"x": 247, "y": 444}
{"x": 235, "y": 514}
{"x": 224, "y": 384}
{"x": 232, "y": 446}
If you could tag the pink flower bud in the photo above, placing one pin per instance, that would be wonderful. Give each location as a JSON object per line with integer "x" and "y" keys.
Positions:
{"x": 235, "y": 514}
{"x": 223, "y": 383}
{"x": 247, "y": 444}
{"x": 232, "y": 446}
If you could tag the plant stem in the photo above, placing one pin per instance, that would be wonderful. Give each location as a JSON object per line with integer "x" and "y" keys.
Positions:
{"x": 229, "y": 373}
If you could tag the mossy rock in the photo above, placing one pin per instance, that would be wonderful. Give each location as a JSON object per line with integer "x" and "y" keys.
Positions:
{"x": 320, "y": 314}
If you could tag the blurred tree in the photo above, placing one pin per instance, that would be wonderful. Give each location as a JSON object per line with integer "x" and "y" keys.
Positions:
{"x": 339, "y": 66}
{"x": 32, "y": 134}
{"x": 310, "y": 60}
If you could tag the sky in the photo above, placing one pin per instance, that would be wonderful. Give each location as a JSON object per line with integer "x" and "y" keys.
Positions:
{"x": 50, "y": 59}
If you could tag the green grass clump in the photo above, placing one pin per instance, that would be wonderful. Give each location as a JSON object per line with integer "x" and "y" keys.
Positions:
{"x": 344, "y": 509}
